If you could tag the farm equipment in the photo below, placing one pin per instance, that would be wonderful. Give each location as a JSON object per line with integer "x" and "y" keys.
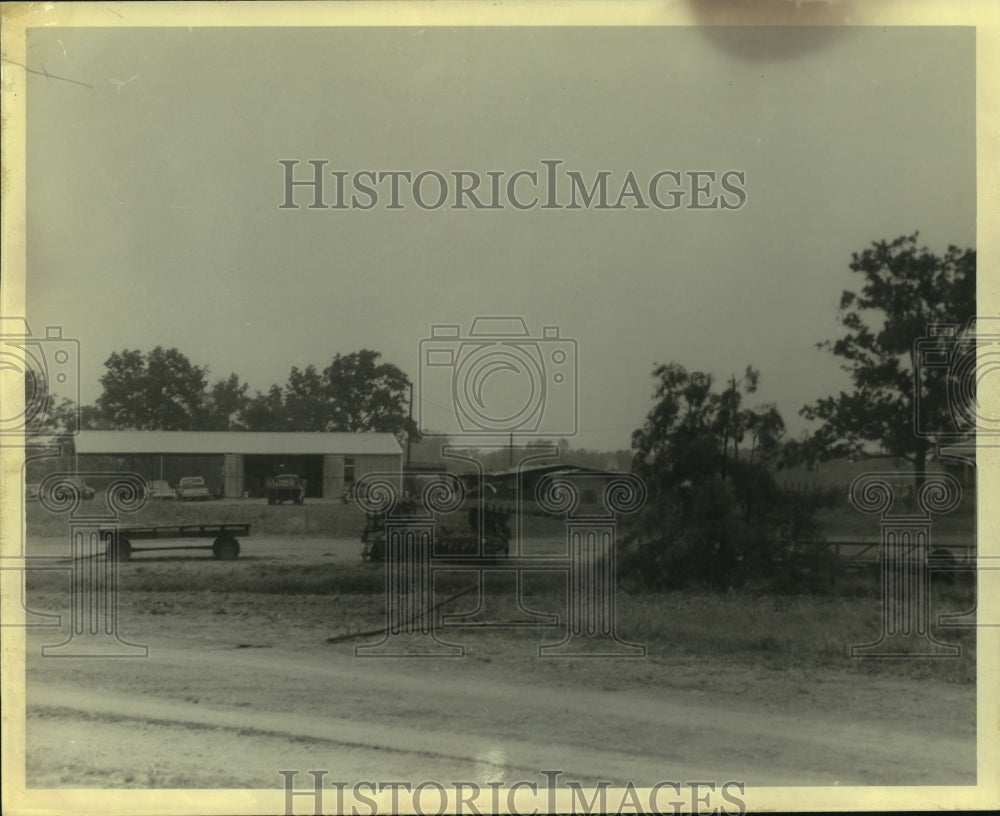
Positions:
{"x": 491, "y": 538}
{"x": 225, "y": 547}
{"x": 286, "y": 487}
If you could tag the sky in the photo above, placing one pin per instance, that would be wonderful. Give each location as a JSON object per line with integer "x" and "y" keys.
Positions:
{"x": 154, "y": 193}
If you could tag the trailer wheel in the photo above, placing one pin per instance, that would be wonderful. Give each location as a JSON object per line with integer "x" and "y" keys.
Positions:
{"x": 119, "y": 549}
{"x": 226, "y": 548}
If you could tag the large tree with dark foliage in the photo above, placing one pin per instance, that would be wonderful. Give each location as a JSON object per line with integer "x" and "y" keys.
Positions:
{"x": 367, "y": 395}
{"x": 266, "y": 412}
{"x": 45, "y": 413}
{"x": 898, "y": 405}
{"x": 714, "y": 513}
{"x": 162, "y": 390}
{"x": 225, "y": 404}
{"x": 356, "y": 392}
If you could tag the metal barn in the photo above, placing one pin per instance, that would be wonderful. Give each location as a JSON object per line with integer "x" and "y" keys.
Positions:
{"x": 237, "y": 463}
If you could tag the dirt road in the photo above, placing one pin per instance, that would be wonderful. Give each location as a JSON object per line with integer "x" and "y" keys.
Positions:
{"x": 233, "y": 717}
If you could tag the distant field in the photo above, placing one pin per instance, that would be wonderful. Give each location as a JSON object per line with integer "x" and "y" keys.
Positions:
{"x": 327, "y": 517}
{"x": 957, "y": 527}
{"x": 317, "y": 518}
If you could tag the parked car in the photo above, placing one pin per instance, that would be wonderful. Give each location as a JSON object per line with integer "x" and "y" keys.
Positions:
{"x": 159, "y": 489}
{"x": 34, "y": 491}
{"x": 192, "y": 488}
{"x": 286, "y": 487}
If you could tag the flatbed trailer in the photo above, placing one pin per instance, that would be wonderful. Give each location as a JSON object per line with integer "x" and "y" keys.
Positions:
{"x": 225, "y": 545}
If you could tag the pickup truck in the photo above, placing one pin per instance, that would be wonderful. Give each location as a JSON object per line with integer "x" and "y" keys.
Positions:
{"x": 286, "y": 487}
{"x": 192, "y": 488}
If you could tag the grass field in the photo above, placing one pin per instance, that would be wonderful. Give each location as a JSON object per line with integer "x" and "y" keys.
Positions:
{"x": 800, "y": 632}
{"x": 326, "y": 517}
{"x": 788, "y": 631}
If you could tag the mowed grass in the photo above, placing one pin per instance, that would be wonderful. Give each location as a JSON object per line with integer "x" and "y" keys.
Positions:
{"x": 795, "y": 632}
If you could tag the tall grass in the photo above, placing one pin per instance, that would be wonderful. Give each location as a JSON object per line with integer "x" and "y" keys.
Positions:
{"x": 789, "y": 631}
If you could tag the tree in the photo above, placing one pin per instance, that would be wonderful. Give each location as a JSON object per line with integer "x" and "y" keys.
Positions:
{"x": 905, "y": 290}
{"x": 713, "y": 512}
{"x": 693, "y": 433}
{"x": 225, "y": 404}
{"x": 356, "y": 392}
{"x": 367, "y": 395}
{"x": 44, "y": 414}
{"x": 307, "y": 400}
{"x": 161, "y": 390}
{"x": 266, "y": 412}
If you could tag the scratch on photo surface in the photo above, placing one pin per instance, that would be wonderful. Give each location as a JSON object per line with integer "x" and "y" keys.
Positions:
{"x": 45, "y": 73}
{"x": 119, "y": 84}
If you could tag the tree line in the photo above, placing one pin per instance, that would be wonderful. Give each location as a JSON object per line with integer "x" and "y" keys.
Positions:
{"x": 163, "y": 390}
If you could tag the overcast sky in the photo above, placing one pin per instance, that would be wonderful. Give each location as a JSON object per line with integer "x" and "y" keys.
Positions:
{"x": 153, "y": 203}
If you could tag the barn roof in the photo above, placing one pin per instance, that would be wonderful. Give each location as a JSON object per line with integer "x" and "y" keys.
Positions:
{"x": 245, "y": 442}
